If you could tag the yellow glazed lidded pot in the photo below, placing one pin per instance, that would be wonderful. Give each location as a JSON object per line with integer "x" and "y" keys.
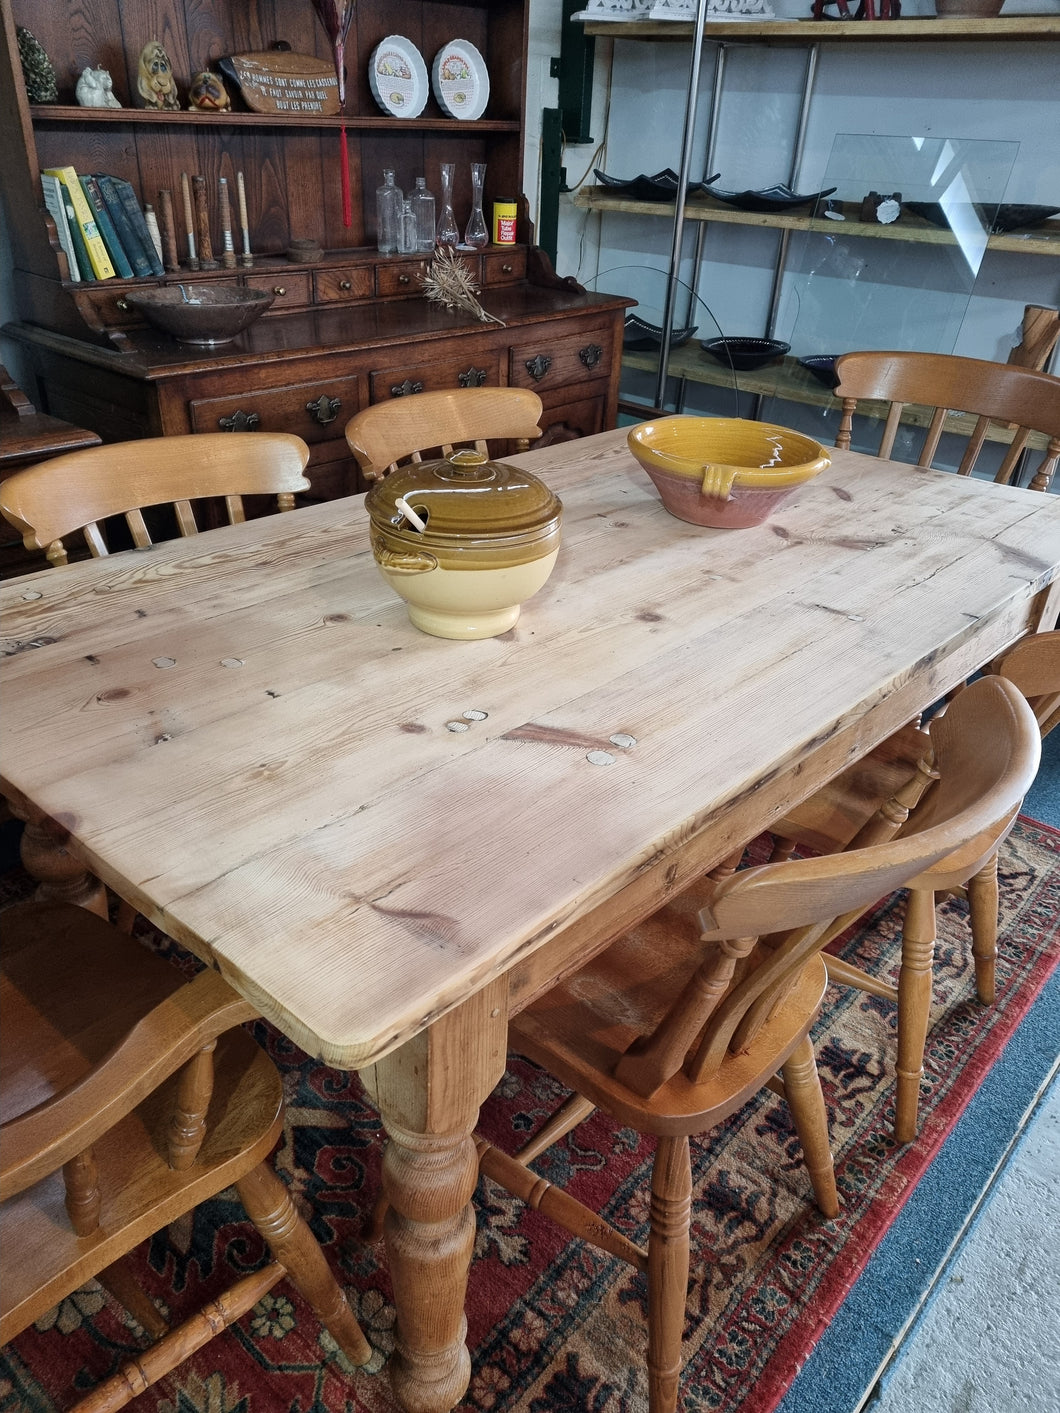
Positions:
{"x": 489, "y": 540}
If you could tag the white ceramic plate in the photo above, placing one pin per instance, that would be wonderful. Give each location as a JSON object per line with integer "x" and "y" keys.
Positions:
{"x": 461, "y": 80}
{"x": 398, "y": 77}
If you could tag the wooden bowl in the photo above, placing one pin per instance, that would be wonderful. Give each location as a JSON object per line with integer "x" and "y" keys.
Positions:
{"x": 201, "y": 313}
{"x": 724, "y": 471}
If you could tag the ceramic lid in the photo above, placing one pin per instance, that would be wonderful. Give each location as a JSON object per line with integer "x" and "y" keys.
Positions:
{"x": 464, "y": 497}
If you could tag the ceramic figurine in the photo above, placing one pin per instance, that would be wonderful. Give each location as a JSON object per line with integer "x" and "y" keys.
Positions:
{"x": 95, "y": 89}
{"x": 208, "y": 93}
{"x": 156, "y": 84}
{"x": 36, "y": 68}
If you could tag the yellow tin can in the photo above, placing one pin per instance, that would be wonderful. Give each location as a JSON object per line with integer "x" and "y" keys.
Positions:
{"x": 504, "y": 214}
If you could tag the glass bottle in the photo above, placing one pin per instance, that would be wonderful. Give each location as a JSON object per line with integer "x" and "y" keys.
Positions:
{"x": 388, "y": 214}
{"x": 407, "y": 243}
{"x": 423, "y": 207}
{"x": 447, "y": 231}
{"x": 476, "y": 235}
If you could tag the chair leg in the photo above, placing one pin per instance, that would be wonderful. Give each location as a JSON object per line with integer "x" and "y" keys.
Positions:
{"x": 802, "y": 1089}
{"x": 914, "y": 1008}
{"x": 983, "y": 905}
{"x": 269, "y": 1206}
{"x": 569, "y": 1116}
{"x": 668, "y": 1260}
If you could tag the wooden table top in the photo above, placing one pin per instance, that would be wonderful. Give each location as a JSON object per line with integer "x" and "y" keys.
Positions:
{"x": 247, "y": 738}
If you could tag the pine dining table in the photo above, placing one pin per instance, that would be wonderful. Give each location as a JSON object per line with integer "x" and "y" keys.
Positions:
{"x": 390, "y": 842}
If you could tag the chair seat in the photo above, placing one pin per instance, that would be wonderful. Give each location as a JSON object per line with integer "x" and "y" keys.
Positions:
{"x": 44, "y": 1259}
{"x": 834, "y": 814}
{"x": 580, "y": 1029}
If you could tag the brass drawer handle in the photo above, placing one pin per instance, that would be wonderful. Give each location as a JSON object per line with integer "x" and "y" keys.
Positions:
{"x": 239, "y": 422}
{"x": 324, "y": 410}
{"x": 473, "y": 378}
{"x": 345, "y": 284}
{"x": 539, "y": 366}
{"x": 403, "y": 279}
{"x": 406, "y": 388}
{"x": 279, "y": 289}
{"x": 122, "y": 304}
{"x": 591, "y": 354}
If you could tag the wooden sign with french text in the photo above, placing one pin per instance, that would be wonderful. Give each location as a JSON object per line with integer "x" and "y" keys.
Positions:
{"x": 278, "y": 81}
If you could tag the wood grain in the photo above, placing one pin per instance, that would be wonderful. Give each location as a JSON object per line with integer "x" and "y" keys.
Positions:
{"x": 306, "y": 820}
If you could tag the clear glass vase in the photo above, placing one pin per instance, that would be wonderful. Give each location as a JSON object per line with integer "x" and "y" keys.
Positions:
{"x": 448, "y": 232}
{"x": 476, "y": 236}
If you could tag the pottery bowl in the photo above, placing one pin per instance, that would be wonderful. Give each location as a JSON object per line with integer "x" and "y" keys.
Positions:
{"x": 201, "y": 313}
{"x": 724, "y": 471}
{"x": 821, "y": 366}
{"x": 490, "y": 540}
{"x": 744, "y": 354}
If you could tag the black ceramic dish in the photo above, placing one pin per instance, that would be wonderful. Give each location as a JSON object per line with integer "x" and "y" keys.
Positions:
{"x": 770, "y": 198}
{"x": 1009, "y": 216}
{"x": 640, "y": 336}
{"x": 744, "y": 354}
{"x": 660, "y": 187}
{"x": 822, "y": 367}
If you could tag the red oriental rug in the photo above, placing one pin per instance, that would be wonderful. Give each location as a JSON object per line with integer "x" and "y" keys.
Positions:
{"x": 555, "y": 1327}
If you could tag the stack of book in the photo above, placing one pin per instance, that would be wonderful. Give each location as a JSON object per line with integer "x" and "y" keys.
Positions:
{"x": 100, "y": 225}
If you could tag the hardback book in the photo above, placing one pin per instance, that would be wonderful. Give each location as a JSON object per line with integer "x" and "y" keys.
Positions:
{"x": 53, "y": 200}
{"x": 84, "y": 264}
{"x": 99, "y": 256}
{"x": 119, "y": 259}
{"x": 131, "y": 242}
{"x": 135, "y": 217}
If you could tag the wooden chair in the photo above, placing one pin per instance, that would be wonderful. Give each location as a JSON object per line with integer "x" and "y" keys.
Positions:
{"x": 670, "y": 1037}
{"x": 1027, "y": 400}
{"x": 403, "y": 428}
{"x": 127, "y": 1097}
{"x": 77, "y": 491}
{"x": 871, "y": 801}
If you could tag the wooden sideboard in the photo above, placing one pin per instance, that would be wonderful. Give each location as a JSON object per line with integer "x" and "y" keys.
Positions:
{"x": 349, "y": 328}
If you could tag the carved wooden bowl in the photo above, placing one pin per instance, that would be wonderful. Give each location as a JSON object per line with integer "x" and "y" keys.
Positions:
{"x": 201, "y": 313}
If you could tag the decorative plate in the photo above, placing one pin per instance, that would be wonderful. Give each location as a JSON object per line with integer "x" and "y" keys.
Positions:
{"x": 398, "y": 77}
{"x": 769, "y": 198}
{"x": 660, "y": 187}
{"x": 460, "y": 80}
{"x": 744, "y": 354}
{"x": 1006, "y": 217}
{"x": 640, "y": 336}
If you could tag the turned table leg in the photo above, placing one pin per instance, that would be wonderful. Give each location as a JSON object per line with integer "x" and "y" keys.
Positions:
{"x": 428, "y": 1093}
{"x": 61, "y": 877}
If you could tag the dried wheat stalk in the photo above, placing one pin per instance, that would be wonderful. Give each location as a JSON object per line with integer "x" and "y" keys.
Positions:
{"x": 448, "y": 281}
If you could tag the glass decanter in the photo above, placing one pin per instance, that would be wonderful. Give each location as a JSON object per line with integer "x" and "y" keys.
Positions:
{"x": 448, "y": 232}
{"x": 476, "y": 236}
{"x": 388, "y": 201}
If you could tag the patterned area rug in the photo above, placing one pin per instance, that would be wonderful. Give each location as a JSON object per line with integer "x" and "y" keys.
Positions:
{"x": 554, "y": 1327}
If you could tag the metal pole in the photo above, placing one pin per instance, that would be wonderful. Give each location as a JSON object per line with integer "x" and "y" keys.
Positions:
{"x": 679, "y": 204}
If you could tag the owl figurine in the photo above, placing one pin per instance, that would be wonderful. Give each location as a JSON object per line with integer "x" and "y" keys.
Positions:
{"x": 208, "y": 93}
{"x": 156, "y": 84}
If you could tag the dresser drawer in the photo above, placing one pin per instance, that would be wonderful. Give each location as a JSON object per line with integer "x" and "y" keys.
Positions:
{"x": 292, "y": 291}
{"x": 344, "y": 283}
{"x": 504, "y": 267}
{"x": 471, "y": 370}
{"x": 548, "y": 361}
{"x": 108, "y": 307}
{"x": 402, "y": 277}
{"x": 316, "y": 411}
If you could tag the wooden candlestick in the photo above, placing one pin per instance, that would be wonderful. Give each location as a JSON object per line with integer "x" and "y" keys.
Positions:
{"x": 189, "y": 222}
{"x": 202, "y": 225}
{"x": 228, "y": 251}
{"x": 246, "y": 258}
{"x": 170, "y": 259}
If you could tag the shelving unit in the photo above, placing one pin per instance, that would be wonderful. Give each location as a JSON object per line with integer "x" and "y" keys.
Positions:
{"x": 808, "y": 35}
{"x": 347, "y": 329}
